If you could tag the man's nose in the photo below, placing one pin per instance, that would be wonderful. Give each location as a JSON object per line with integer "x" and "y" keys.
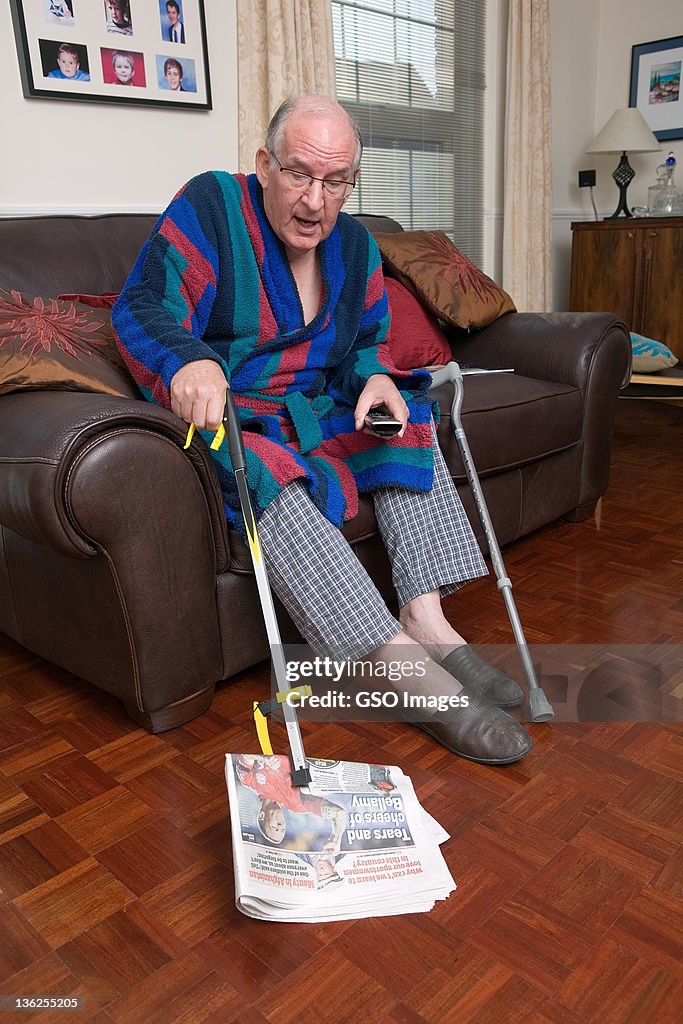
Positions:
{"x": 314, "y": 194}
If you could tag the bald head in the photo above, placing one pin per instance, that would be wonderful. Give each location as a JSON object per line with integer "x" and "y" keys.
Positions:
{"x": 317, "y": 106}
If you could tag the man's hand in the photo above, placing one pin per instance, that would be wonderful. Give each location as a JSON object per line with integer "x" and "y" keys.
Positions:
{"x": 198, "y": 394}
{"x": 381, "y": 390}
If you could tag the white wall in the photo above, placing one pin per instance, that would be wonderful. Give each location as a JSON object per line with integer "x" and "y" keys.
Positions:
{"x": 91, "y": 157}
{"x": 104, "y": 157}
{"x": 624, "y": 23}
{"x": 591, "y": 44}
{"x": 591, "y": 70}
{"x": 574, "y": 41}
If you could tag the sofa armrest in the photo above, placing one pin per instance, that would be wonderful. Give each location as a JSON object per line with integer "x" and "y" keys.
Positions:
{"x": 46, "y": 437}
{"x": 589, "y": 351}
{"x": 560, "y": 347}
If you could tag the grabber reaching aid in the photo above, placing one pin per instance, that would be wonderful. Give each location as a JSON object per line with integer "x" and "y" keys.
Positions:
{"x": 301, "y": 774}
{"x": 541, "y": 709}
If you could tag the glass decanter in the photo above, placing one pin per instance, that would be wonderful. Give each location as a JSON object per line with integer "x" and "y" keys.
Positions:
{"x": 668, "y": 202}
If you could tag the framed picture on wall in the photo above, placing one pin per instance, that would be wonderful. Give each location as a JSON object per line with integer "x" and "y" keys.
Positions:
{"x": 147, "y": 52}
{"x": 656, "y": 86}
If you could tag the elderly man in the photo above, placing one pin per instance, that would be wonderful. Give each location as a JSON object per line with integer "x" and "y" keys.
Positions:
{"x": 262, "y": 281}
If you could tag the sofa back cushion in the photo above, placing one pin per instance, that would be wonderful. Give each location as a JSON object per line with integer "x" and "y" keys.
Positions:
{"x": 51, "y": 255}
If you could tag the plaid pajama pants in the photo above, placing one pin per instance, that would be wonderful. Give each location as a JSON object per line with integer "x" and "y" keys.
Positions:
{"x": 327, "y": 592}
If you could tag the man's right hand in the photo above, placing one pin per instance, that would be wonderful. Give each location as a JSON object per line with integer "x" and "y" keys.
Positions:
{"x": 198, "y": 394}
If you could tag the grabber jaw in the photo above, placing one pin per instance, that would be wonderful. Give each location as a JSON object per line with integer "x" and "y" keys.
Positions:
{"x": 301, "y": 773}
{"x": 300, "y": 776}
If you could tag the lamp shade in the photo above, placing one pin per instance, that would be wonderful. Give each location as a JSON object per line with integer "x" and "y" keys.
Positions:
{"x": 625, "y": 132}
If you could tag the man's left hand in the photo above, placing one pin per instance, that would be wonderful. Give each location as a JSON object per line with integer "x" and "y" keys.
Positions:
{"x": 381, "y": 390}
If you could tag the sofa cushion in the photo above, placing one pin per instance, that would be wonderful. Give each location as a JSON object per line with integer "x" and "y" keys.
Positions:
{"x": 414, "y": 338}
{"x": 54, "y": 345}
{"x": 510, "y": 421}
{"x": 450, "y": 285}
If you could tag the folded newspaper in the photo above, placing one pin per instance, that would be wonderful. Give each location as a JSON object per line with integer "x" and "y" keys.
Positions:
{"x": 354, "y": 843}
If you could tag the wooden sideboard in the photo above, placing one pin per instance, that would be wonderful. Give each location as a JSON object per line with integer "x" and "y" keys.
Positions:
{"x": 632, "y": 267}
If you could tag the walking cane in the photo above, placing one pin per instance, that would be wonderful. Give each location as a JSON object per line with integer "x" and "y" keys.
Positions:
{"x": 301, "y": 774}
{"x": 541, "y": 709}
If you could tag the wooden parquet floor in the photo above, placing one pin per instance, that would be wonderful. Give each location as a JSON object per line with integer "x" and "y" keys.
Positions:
{"x": 115, "y": 863}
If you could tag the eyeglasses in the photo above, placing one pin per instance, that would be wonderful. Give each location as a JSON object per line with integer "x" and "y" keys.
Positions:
{"x": 302, "y": 182}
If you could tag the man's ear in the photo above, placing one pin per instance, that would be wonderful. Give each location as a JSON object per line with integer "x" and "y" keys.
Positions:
{"x": 263, "y": 166}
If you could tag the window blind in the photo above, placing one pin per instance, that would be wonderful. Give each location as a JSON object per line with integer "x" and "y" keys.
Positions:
{"x": 412, "y": 74}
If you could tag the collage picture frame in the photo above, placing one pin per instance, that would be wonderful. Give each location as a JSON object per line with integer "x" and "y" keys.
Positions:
{"x": 146, "y": 52}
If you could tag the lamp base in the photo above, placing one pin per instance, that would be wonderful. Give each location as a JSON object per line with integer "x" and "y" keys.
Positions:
{"x": 623, "y": 176}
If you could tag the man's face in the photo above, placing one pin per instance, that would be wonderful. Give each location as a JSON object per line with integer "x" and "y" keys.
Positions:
{"x": 68, "y": 64}
{"x": 123, "y": 69}
{"x": 274, "y": 825}
{"x": 173, "y": 15}
{"x": 320, "y": 145}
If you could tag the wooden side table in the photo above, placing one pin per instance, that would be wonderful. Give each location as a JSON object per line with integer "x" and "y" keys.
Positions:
{"x": 632, "y": 267}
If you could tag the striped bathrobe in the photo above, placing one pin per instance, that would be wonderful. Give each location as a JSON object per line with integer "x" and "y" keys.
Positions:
{"x": 213, "y": 282}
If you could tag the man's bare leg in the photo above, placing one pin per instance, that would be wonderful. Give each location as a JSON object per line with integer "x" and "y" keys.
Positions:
{"x": 423, "y": 620}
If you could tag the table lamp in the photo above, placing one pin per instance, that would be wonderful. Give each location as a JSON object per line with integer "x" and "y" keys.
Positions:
{"x": 626, "y": 131}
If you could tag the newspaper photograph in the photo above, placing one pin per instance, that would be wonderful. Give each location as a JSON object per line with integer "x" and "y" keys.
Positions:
{"x": 354, "y": 842}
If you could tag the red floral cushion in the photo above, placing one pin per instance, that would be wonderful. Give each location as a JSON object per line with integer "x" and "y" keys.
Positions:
{"x": 443, "y": 278}
{"x": 55, "y": 345}
{"x": 415, "y": 338}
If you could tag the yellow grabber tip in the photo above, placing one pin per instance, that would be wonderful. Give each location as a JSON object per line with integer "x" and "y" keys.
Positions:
{"x": 262, "y": 730}
{"x": 218, "y": 439}
{"x": 190, "y": 435}
{"x": 261, "y": 721}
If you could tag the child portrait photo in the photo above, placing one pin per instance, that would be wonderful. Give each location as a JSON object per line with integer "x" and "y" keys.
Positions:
{"x": 123, "y": 67}
{"x": 175, "y": 75}
{"x": 65, "y": 61}
{"x": 59, "y": 12}
{"x": 172, "y": 21}
{"x": 118, "y": 17}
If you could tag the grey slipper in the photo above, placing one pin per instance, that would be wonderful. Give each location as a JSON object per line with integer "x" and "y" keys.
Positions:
{"x": 480, "y": 732}
{"x": 481, "y": 679}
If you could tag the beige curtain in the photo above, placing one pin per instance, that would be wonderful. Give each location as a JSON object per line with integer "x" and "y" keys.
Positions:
{"x": 285, "y": 47}
{"x": 527, "y": 207}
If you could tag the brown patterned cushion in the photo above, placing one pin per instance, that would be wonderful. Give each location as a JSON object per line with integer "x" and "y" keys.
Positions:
{"x": 443, "y": 278}
{"x": 55, "y": 345}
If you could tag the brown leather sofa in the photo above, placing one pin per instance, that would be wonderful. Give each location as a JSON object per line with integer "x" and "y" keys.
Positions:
{"x": 115, "y": 559}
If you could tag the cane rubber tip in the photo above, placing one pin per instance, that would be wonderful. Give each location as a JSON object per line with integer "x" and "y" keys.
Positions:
{"x": 541, "y": 709}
